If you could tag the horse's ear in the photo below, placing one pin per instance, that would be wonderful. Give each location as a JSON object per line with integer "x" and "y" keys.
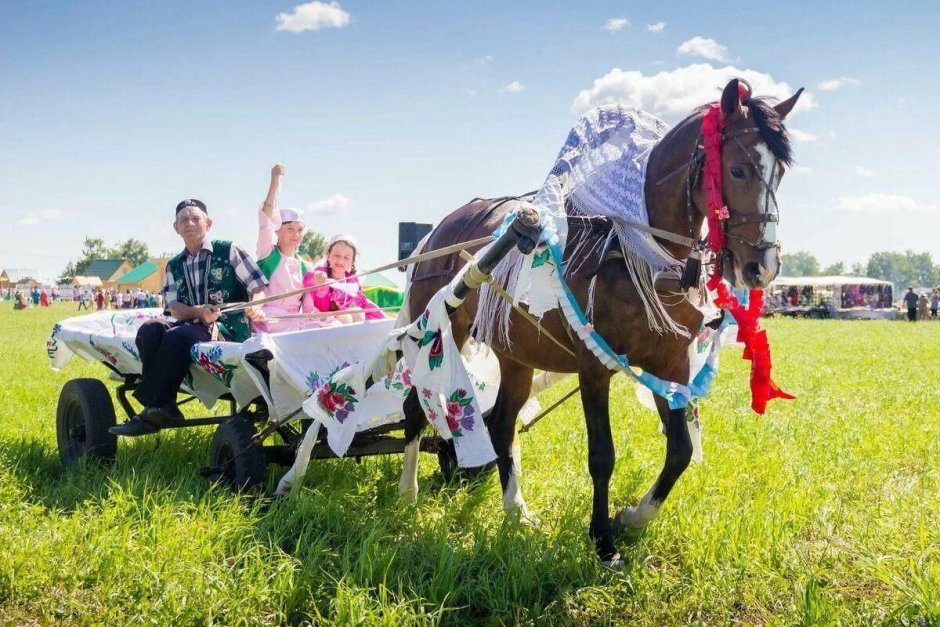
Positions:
{"x": 783, "y": 109}
{"x": 730, "y": 100}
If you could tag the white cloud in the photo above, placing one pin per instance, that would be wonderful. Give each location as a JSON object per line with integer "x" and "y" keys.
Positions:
{"x": 313, "y": 16}
{"x": 802, "y": 137}
{"x": 616, "y": 24}
{"x": 673, "y": 94}
{"x": 656, "y": 28}
{"x": 864, "y": 172}
{"x": 835, "y": 84}
{"x": 514, "y": 87}
{"x": 800, "y": 170}
{"x": 38, "y": 217}
{"x": 884, "y": 203}
{"x": 337, "y": 203}
{"x": 705, "y": 48}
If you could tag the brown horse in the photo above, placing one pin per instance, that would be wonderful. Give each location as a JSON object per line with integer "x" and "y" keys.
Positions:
{"x": 754, "y": 153}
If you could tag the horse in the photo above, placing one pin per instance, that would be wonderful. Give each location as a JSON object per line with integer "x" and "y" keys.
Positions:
{"x": 754, "y": 156}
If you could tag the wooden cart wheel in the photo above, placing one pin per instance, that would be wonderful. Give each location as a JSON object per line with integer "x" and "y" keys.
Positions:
{"x": 83, "y": 417}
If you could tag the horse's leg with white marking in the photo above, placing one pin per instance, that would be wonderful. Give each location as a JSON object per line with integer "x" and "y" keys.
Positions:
{"x": 678, "y": 456}
{"x": 514, "y": 386}
{"x": 414, "y": 424}
{"x": 301, "y": 460}
{"x": 595, "y": 398}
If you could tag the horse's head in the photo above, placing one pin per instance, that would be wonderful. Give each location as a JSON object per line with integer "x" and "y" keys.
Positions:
{"x": 754, "y": 155}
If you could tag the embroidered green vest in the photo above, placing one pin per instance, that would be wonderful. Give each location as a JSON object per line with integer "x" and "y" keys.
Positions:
{"x": 220, "y": 285}
{"x": 270, "y": 263}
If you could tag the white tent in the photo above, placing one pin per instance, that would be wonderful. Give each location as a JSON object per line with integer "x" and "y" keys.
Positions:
{"x": 825, "y": 281}
{"x": 835, "y": 284}
{"x": 86, "y": 281}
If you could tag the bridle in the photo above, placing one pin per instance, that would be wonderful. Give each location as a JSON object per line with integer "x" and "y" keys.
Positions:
{"x": 693, "y": 167}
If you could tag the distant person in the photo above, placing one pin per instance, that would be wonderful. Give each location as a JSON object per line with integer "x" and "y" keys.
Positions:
{"x": 44, "y": 298}
{"x": 118, "y": 300}
{"x": 934, "y": 302}
{"x": 83, "y": 300}
{"x": 923, "y": 307}
{"x": 35, "y": 296}
{"x": 910, "y": 301}
{"x": 99, "y": 299}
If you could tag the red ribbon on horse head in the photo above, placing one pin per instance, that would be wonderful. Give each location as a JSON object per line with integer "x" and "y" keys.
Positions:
{"x": 756, "y": 345}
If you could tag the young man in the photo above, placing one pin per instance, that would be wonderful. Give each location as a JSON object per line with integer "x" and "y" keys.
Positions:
{"x": 910, "y": 300}
{"x": 204, "y": 276}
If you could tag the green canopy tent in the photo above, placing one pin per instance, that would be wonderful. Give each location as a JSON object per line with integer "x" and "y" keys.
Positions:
{"x": 381, "y": 290}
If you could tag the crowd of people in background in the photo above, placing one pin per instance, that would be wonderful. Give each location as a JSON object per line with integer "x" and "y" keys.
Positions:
{"x": 88, "y": 299}
{"x": 921, "y": 306}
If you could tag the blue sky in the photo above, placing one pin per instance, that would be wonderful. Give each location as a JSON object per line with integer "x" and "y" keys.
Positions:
{"x": 390, "y": 111}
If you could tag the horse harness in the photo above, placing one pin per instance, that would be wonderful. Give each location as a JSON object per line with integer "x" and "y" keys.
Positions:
{"x": 694, "y": 168}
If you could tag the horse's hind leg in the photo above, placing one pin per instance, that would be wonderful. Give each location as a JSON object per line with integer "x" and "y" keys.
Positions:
{"x": 678, "y": 456}
{"x": 414, "y": 424}
{"x": 515, "y": 383}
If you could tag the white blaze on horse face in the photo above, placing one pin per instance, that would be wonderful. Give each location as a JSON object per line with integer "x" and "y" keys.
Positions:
{"x": 771, "y": 177}
{"x": 768, "y": 166}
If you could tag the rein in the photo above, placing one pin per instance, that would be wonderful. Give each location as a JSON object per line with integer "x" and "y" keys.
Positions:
{"x": 694, "y": 168}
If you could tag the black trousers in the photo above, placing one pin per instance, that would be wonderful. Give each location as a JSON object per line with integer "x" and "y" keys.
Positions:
{"x": 164, "y": 353}
{"x": 912, "y": 314}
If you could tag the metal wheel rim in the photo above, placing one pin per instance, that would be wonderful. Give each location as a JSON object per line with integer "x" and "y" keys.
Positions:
{"x": 75, "y": 432}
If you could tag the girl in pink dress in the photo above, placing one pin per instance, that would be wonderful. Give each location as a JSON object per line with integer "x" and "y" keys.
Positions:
{"x": 340, "y": 263}
{"x": 279, "y": 234}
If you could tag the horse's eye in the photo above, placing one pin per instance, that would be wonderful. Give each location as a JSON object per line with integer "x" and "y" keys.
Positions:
{"x": 737, "y": 172}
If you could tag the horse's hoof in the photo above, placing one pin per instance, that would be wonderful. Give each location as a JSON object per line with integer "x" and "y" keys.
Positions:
{"x": 522, "y": 515}
{"x": 527, "y": 518}
{"x": 615, "y": 562}
{"x": 409, "y": 497}
{"x": 629, "y": 521}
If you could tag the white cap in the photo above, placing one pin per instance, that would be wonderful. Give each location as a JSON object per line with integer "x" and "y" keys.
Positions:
{"x": 343, "y": 237}
{"x": 291, "y": 215}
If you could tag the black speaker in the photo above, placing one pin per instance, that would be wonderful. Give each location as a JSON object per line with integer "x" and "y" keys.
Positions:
{"x": 409, "y": 235}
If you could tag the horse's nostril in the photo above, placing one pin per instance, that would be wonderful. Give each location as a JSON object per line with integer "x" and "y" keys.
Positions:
{"x": 753, "y": 272}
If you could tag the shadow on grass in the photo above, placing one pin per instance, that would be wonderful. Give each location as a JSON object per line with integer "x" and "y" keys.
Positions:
{"x": 454, "y": 551}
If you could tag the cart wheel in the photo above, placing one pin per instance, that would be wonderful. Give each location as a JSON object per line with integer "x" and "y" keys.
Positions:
{"x": 83, "y": 417}
{"x": 242, "y": 465}
{"x": 447, "y": 461}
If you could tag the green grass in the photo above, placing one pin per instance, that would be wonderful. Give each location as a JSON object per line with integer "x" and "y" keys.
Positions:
{"x": 824, "y": 511}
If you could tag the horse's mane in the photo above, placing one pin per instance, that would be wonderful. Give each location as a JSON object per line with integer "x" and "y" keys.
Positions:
{"x": 771, "y": 127}
{"x": 765, "y": 117}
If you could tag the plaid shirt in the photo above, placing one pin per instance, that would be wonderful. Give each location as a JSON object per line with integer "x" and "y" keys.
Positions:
{"x": 245, "y": 267}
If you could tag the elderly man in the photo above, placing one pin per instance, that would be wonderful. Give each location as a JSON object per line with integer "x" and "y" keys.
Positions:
{"x": 204, "y": 276}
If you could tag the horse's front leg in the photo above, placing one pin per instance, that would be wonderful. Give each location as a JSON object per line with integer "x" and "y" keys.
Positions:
{"x": 595, "y": 398}
{"x": 678, "y": 456}
{"x": 515, "y": 384}
{"x": 414, "y": 424}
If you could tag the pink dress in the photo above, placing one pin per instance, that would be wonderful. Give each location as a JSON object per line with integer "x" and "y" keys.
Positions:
{"x": 344, "y": 295}
{"x": 284, "y": 274}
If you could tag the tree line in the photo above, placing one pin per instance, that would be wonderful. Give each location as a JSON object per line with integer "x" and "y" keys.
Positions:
{"x": 137, "y": 252}
{"x": 902, "y": 269}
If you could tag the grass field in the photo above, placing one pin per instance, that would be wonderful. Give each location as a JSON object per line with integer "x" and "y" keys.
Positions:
{"x": 826, "y": 510}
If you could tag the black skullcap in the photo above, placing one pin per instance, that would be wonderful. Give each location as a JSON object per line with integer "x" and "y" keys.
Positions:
{"x": 192, "y": 202}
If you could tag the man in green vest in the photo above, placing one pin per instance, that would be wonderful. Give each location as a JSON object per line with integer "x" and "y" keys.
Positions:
{"x": 207, "y": 274}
